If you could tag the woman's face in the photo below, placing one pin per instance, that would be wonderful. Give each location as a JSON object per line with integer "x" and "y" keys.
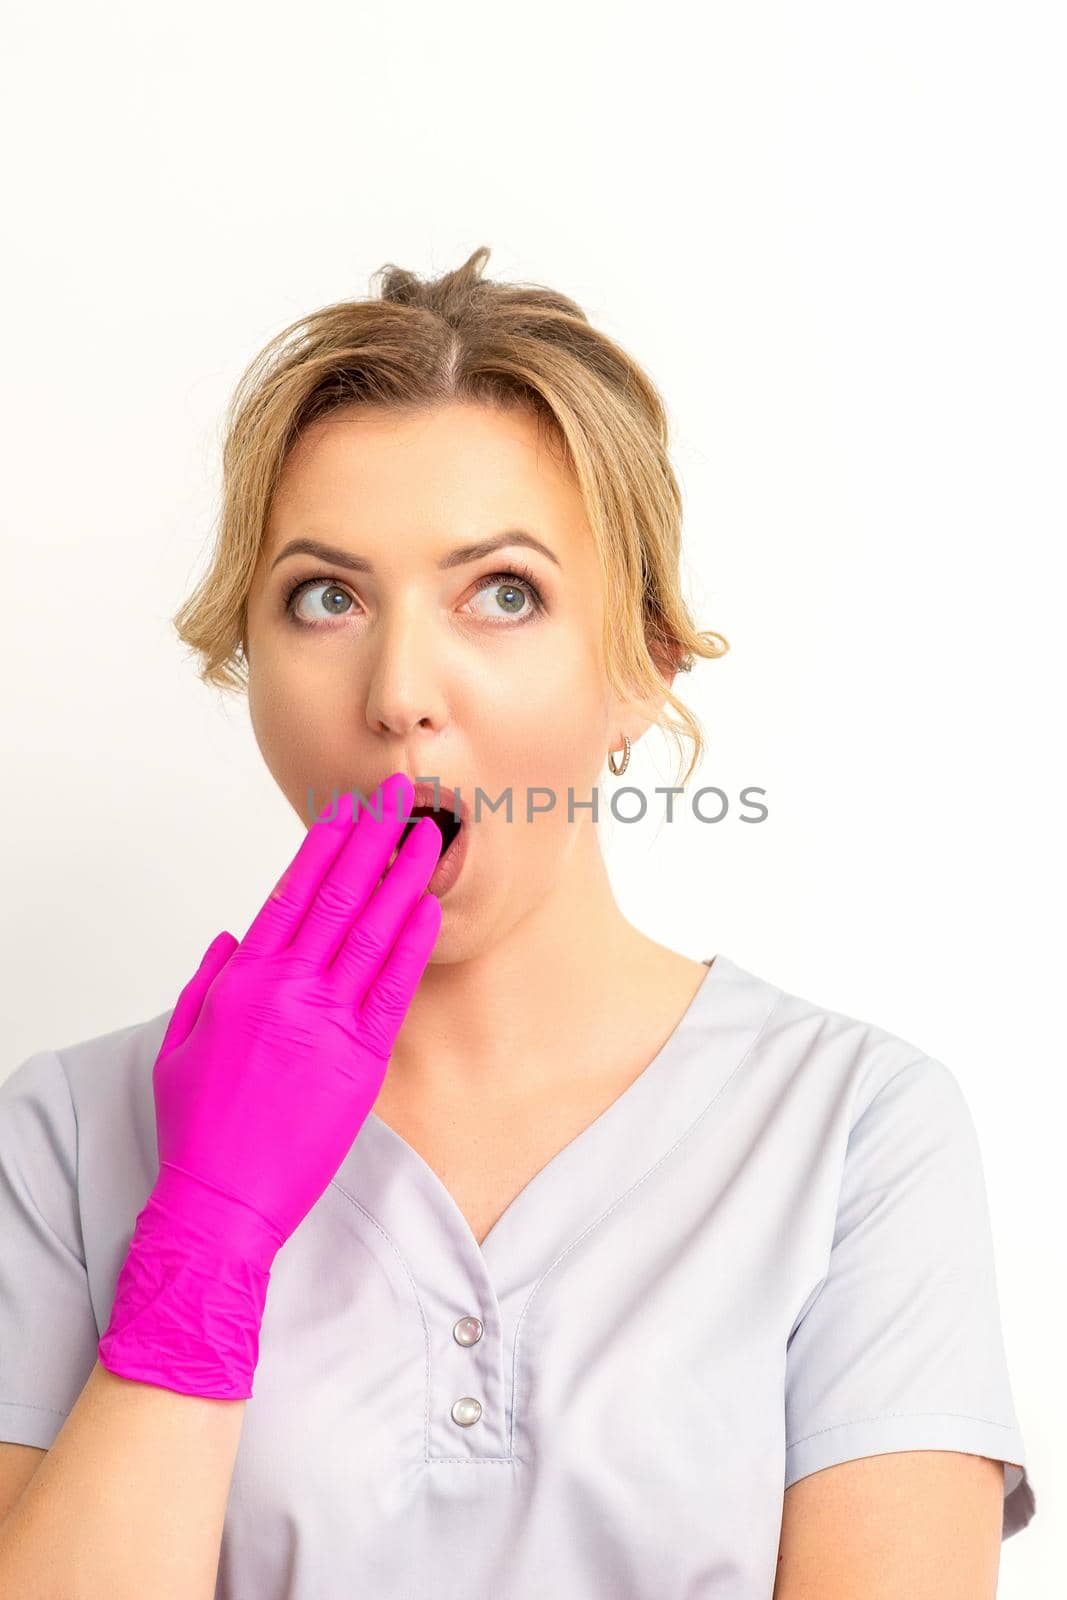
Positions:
{"x": 459, "y": 668}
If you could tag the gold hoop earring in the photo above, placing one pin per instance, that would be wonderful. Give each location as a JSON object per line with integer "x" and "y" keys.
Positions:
{"x": 618, "y": 771}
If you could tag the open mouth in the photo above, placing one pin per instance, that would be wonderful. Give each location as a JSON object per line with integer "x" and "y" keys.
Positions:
{"x": 446, "y": 823}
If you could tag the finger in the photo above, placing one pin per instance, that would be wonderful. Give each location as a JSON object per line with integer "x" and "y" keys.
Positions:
{"x": 280, "y": 918}
{"x": 369, "y": 939}
{"x": 185, "y": 1013}
{"x": 389, "y": 997}
{"x": 346, "y": 891}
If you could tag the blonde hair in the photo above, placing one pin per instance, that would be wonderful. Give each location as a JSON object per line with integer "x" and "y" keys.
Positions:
{"x": 462, "y": 338}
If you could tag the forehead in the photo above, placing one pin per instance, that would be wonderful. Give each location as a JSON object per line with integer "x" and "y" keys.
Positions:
{"x": 382, "y": 481}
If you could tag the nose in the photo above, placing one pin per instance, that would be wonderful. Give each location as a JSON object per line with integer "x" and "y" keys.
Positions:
{"x": 404, "y": 687}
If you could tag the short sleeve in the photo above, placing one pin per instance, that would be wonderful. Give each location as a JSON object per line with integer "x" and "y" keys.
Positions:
{"x": 899, "y": 1347}
{"x": 48, "y": 1334}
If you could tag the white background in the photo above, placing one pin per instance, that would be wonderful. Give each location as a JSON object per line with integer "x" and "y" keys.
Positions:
{"x": 834, "y": 236}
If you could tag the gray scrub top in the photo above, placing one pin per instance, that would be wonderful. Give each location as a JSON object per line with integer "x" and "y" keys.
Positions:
{"x": 771, "y": 1253}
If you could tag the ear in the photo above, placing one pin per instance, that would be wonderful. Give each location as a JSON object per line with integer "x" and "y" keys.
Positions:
{"x": 634, "y": 716}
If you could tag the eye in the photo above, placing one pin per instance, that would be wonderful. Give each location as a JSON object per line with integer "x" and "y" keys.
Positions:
{"x": 334, "y": 597}
{"x": 513, "y": 594}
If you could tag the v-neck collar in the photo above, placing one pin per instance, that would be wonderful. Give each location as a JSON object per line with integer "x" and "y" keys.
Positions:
{"x": 388, "y": 1180}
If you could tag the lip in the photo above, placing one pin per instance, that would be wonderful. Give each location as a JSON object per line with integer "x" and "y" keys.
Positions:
{"x": 450, "y": 865}
{"x": 445, "y": 799}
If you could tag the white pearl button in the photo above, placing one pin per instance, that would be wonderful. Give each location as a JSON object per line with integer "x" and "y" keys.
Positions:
{"x": 468, "y": 1330}
{"x": 466, "y": 1411}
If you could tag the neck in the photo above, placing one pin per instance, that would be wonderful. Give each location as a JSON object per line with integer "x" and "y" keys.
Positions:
{"x": 535, "y": 1001}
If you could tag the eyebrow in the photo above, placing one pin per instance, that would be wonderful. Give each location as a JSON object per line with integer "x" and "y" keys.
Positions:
{"x": 455, "y": 558}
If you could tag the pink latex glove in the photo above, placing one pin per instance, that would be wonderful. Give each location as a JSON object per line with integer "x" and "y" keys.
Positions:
{"x": 274, "y": 1055}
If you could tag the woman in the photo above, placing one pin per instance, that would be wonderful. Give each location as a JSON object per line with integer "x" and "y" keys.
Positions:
{"x": 466, "y": 1170}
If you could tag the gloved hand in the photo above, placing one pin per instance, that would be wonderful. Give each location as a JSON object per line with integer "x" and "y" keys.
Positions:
{"x": 274, "y": 1055}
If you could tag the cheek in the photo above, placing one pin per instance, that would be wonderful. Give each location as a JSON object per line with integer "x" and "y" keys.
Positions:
{"x": 546, "y": 694}
{"x": 299, "y": 735}
{"x": 546, "y": 737}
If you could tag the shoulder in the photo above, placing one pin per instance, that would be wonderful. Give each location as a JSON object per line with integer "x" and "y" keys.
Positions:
{"x": 842, "y": 1063}
{"x": 836, "y": 1103}
{"x": 107, "y": 1062}
{"x": 92, "y": 1100}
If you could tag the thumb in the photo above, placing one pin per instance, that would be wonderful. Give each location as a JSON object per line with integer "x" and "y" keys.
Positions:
{"x": 191, "y": 998}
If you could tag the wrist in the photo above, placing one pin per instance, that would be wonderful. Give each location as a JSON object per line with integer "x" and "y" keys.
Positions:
{"x": 191, "y": 1294}
{"x": 201, "y": 1215}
